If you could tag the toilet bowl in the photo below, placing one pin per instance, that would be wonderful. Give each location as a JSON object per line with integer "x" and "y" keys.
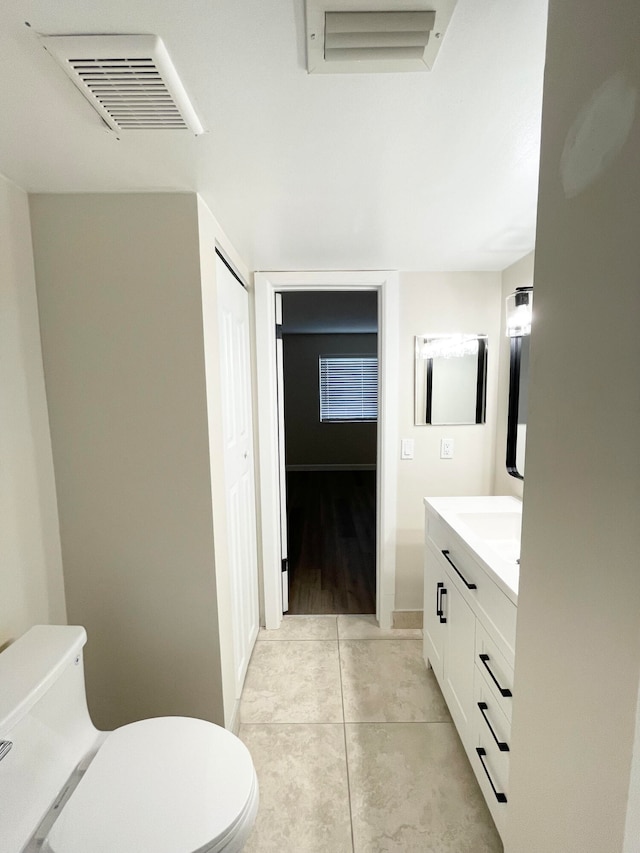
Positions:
{"x": 162, "y": 785}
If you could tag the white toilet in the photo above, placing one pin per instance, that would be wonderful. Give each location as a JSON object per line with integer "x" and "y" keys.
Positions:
{"x": 164, "y": 785}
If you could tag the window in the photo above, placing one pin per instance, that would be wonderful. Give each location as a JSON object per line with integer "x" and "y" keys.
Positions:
{"x": 348, "y": 388}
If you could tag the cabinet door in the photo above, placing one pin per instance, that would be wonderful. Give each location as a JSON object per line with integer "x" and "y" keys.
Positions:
{"x": 435, "y": 612}
{"x": 459, "y": 667}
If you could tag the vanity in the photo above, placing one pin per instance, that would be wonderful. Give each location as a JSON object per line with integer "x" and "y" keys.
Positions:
{"x": 472, "y": 550}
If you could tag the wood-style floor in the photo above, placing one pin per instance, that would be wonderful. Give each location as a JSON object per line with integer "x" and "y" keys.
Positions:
{"x": 332, "y": 541}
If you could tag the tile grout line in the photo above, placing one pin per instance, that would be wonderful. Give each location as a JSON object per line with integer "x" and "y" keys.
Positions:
{"x": 351, "y": 723}
{"x": 344, "y": 735}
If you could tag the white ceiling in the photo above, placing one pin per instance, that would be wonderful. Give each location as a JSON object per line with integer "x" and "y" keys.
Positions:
{"x": 432, "y": 171}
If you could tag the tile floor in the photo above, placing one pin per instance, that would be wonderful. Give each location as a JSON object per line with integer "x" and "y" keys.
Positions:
{"x": 353, "y": 745}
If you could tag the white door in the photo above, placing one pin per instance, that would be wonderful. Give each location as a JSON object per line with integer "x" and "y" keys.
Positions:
{"x": 233, "y": 312}
{"x": 435, "y": 612}
{"x": 459, "y": 663}
{"x": 282, "y": 469}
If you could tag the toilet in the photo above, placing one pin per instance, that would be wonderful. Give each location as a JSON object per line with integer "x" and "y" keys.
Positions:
{"x": 163, "y": 785}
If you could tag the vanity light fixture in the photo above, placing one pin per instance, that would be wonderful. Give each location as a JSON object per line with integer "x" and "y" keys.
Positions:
{"x": 449, "y": 346}
{"x": 519, "y": 312}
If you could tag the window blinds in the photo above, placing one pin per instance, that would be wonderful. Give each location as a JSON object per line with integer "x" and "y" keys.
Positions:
{"x": 348, "y": 388}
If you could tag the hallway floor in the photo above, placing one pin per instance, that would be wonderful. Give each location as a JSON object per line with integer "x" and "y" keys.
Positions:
{"x": 332, "y": 541}
{"x": 354, "y": 747}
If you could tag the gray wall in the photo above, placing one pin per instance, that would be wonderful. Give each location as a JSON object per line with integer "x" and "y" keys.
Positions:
{"x": 578, "y": 640}
{"x": 119, "y": 293}
{"x": 31, "y": 589}
{"x": 308, "y": 441}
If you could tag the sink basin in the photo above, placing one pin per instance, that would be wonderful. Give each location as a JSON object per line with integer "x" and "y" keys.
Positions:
{"x": 493, "y": 525}
{"x": 498, "y": 531}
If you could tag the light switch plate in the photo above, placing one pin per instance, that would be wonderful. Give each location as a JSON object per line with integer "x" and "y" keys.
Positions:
{"x": 446, "y": 448}
{"x": 406, "y": 448}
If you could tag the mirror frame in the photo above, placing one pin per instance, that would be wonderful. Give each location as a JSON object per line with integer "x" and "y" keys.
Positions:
{"x": 515, "y": 365}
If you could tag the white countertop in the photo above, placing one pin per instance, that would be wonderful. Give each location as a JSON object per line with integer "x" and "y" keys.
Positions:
{"x": 489, "y": 525}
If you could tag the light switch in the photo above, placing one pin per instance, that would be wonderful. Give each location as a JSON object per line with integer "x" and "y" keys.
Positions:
{"x": 406, "y": 448}
{"x": 446, "y": 448}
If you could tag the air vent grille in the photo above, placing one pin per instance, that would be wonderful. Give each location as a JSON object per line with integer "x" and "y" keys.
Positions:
{"x": 375, "y": 36}
{"x": 129, "y": 80}
{"x": 132, "y": 91}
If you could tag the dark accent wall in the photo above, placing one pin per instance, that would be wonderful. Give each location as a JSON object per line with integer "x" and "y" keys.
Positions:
{"x": 308, "y": 441}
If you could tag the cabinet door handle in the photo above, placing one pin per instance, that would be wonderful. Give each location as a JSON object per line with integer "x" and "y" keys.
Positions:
{"x": 502, "y": 746}
{"x": 440, "y": 591}
{"x": 500, "y": 797}
{"x": 468, "y": 585}
{"x": 504, "y": 691}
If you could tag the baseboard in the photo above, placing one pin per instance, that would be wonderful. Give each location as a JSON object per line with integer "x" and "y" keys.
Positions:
{"x": 332, "y": 467}
{"x": 407, "y": 619}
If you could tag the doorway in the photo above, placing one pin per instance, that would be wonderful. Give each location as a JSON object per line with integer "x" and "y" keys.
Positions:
{"x": 385, "y": 284}
{"x": 329, "y": 396}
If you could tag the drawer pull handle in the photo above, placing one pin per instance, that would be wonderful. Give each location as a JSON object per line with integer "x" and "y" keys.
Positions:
{"x": 502, "y": 746}
{"x": 468, "y": 585}
{"x": 440, "y": 611}
{"x": 500, "y": 797}
{"x": 504, "y": 691}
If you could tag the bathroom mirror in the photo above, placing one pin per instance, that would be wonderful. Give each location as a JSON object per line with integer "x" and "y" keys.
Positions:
{"x": 518, "y": 403}
{"x": 451, "y": 379}
{"x": 519, "y": 314}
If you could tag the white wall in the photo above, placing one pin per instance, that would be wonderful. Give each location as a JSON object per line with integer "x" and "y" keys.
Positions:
{"x": 120, "y": 301}
{"x": 578, "y": 639}
{"x": 440, "y": 303}
{"x": 519, "y": 274}
{"x": 31, "y": 585}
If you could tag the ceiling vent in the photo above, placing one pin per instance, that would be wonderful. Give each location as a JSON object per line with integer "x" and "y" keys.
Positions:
{"x": 129, "y": 80}
{"x": 374, "y": 35}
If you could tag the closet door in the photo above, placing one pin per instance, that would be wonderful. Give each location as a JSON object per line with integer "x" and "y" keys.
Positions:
{"x": 233, "y": 312}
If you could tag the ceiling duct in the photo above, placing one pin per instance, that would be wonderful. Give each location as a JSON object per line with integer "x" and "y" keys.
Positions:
{"x": 129, "y": 80}
{"x": 374, "y": 35}
{"x": 352, "y": 36}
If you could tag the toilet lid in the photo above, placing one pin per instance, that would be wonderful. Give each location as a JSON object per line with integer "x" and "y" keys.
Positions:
{"x": 165, "y": 785}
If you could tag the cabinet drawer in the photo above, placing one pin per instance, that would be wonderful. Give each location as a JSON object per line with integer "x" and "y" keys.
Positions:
{"x": 496, "y": 670}
{"x": 489, "y": 716}
{"x": 492, "y": 772}
{"x": 496, "y": 763}
{"x": 437, "y": 531}
{"x": 492, "y": 732}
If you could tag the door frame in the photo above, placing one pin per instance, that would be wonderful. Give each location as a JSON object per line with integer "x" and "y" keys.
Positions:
{"x": 385, "y": 283}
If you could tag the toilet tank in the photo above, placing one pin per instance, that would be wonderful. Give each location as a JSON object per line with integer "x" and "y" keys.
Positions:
{"x": 46, "y": 735}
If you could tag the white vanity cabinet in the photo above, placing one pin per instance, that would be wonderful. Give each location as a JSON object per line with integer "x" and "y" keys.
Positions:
{"x": 470, "y": 608}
